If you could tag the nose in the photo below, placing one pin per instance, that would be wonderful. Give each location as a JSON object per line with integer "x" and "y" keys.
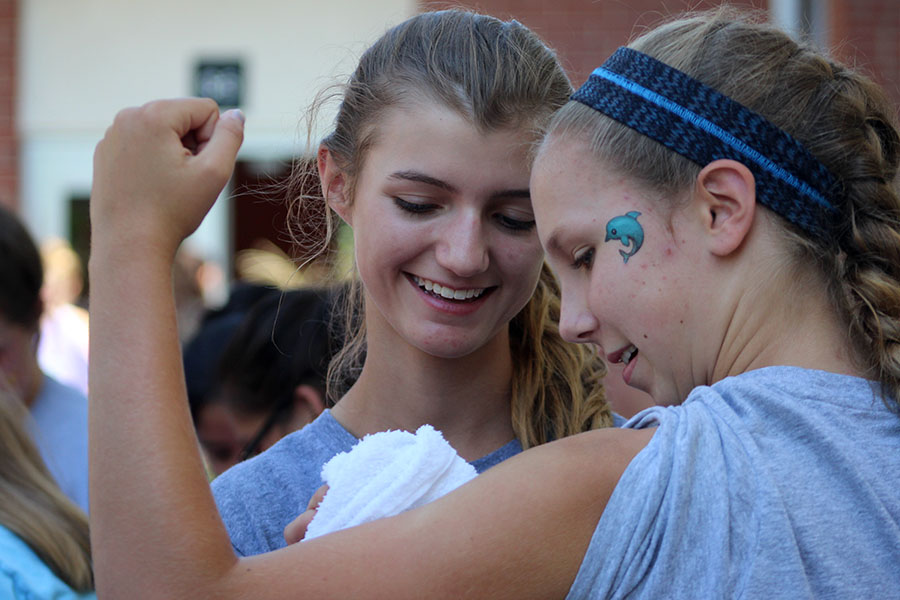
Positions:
{"x": 577, "y": 324}
{"x": 463, "y": 249}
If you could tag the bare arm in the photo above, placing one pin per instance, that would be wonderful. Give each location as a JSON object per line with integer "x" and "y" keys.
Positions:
{"x": 519, "y": 531}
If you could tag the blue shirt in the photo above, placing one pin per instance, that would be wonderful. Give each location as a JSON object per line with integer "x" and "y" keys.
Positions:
{"x": 24, "y": 576}
{"x": 259, "y": 497}
{"x": 59, "y": 416}
{"x": 778, "y": 483}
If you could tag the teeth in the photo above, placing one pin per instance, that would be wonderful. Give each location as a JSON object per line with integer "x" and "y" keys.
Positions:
{"x": 629, "y": 354}
{"x": 446, "y": 292}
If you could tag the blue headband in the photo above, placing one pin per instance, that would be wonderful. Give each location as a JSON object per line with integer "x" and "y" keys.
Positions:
{"x": 704, "y": 125}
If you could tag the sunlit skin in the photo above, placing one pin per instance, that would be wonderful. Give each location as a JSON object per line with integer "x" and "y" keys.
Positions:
{"x": 149, "y": 193}
{"x": 716, "y": 253}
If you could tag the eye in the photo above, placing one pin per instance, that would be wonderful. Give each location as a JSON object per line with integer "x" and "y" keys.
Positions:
{"x": 584, "y": 259}
{"x": 415, "y": 208}
{"x": 515, "y": 224}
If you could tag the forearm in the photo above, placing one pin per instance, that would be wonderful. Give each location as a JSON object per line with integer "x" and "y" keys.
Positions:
{"x": 155, "y": 529}
{"x": 150, "y": 500}
{"x": 518, "y": 531}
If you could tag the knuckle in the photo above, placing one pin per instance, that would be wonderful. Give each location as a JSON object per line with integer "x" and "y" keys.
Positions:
{"x": 215, "y": 171}
{"x": 124, "y": 116}
{"x": 152, "y": 111}
{"x": 210, "y": 103}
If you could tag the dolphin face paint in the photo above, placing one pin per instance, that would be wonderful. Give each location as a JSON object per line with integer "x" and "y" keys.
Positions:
{"x": 627, "y": 230}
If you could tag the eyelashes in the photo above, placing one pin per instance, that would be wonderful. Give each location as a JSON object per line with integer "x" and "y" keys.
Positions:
{"x": 515, "y": 224}
{"x": 583, "y": 259}
{"x": 413, "y": 207}
{"x": 504, "y": 221}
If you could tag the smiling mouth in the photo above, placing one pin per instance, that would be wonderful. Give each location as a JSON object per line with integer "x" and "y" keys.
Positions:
{"x": 448, "y": 293}
{"x": 624, "y": 356}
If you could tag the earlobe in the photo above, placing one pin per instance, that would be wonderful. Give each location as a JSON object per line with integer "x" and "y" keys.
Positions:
{"x": 726, "y": 197}
{"x": 332, "y": 178}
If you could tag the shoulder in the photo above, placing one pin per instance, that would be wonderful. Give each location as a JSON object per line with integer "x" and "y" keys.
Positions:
{"x": 258, "y": 497}
{"x": 60, "y": 411}
{"x": 55, "y": 396}
{"x": 687, "y": 493}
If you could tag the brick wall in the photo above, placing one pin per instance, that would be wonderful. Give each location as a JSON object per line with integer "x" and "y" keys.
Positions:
{"x": 9, "y": 143}
{"x": 867, "y": 33}
{"x": 585, "y": 32}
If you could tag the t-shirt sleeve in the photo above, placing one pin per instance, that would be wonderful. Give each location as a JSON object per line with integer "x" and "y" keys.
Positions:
{"x": 239, "y": 521}
{"x": 258, "y": 497}
{"x": 669, "y": 524}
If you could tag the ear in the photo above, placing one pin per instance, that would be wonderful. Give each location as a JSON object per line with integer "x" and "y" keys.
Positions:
{"x": 308, "y": 404}
{"x": 332, "y": 178}
{"x": 726, "y": 198}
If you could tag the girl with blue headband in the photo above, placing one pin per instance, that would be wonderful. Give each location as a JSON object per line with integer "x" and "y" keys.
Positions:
{"x": 720, "y": 204}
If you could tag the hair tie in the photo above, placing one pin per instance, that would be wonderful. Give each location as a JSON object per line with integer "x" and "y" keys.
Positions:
{"x": 704, "y": 125}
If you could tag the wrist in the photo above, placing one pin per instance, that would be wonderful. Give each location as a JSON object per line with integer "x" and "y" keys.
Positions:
{"x": 113, "y": 255}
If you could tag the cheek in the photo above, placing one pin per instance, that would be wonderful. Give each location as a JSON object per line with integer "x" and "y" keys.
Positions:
{"x": 522, "y": 264}
{"x": 373, "y": 251}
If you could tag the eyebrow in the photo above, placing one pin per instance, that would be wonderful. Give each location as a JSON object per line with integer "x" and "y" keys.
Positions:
{"x": 418, "y": 177}
{"x": 553, "y": 243}
{"x": 423, "y": 178}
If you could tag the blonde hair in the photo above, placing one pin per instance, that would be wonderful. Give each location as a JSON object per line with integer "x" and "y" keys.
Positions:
{"x": 32, "y": 505}
{"x": 63, "y": 274}
{"x": 498, "y": 75}
{"x": 838, "y": 114}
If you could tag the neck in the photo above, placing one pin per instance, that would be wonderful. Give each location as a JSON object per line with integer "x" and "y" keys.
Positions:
{"x": 402, "y": 387}
{"x": 785, "y": 321}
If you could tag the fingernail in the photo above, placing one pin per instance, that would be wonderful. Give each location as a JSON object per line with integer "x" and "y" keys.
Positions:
{"x": 234, "y": 113}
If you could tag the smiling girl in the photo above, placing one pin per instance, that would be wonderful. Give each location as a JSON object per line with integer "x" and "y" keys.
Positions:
{"x": 453, "y": 319}
{"x": 762, "y": 304}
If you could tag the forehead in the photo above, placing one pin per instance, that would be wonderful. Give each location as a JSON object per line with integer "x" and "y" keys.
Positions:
{"x": 569, "y": 187}
{"x": 437, "y": 140}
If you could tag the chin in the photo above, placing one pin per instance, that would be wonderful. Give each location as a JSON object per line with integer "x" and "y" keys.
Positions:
{"x": 448, "y": 347}
{"x": 443, "y": 351}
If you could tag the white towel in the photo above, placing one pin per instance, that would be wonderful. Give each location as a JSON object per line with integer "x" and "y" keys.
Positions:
{"x": 385, "y": 474}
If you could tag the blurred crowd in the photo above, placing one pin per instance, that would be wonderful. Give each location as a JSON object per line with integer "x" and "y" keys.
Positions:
{"x": 255, "y": 366}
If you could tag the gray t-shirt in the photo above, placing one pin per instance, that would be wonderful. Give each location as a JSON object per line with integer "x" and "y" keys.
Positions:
{"x": 778, "y": 483}
{"x": 259, "y": 497}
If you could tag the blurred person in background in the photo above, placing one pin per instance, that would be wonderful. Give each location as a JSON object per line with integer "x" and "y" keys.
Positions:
{"x": 44, "y": 540}
{"x": 190, "y": 305}
{"x": 59, "y": 412}
{"x": 63, "y": 347}
{"x": 269, "y": 365}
